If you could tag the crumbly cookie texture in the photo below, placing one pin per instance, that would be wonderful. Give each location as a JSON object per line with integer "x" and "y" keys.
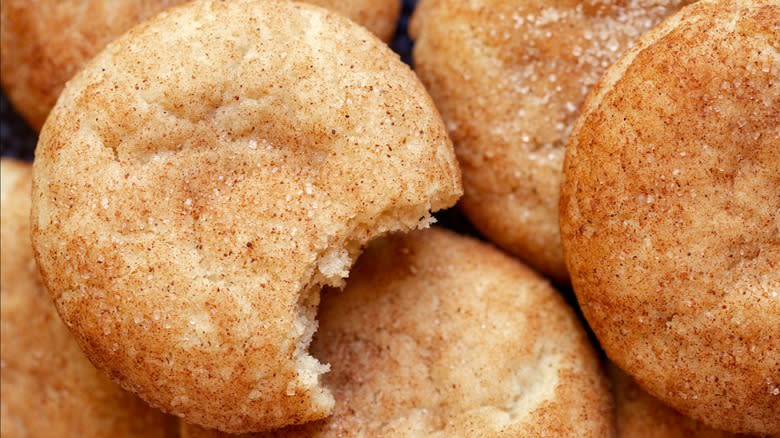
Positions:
{"x": 36, "y": 62}
{"x": 669, "y": 213}
{"x": 509, "y": 78}
{"x": 440, "y": 335}
{"x": 48, "y": 386}
{"x": 201, "y": 180}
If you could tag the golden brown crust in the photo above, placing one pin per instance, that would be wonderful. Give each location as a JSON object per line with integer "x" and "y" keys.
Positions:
{"x": 43, "y": 43}
{"x": 49, "y": 388}
{"x": 441, "y": 335}
{"x": 640, "y": 415}
{"x": 509, "y": 78}
{"x": 669, "y": 213}
{"x": 201, "y": 179}
{"x": 36, "y": 61}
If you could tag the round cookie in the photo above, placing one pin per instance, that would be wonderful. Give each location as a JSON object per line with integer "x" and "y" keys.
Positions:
{"x": 204, "y": 176}
{"x": 441, "y": 335}
{"x": 49, "y": 388}
{"x": 640, "y": 415}
{"x": 509, "y": 78}
{"x": 36, "y": 62}
{"x": 669, "y": 213}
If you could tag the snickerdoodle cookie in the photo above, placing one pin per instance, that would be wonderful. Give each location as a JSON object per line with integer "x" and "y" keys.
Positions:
{"x": 509, "y": 78}
{"x": 43, "y": 43}
{"x": 438, "y": 335}
{"x": 670, "y": 213}
{"x": 201, "y": 180}
{"x": 49, "y": 388}
{"x": 640, "y": 415}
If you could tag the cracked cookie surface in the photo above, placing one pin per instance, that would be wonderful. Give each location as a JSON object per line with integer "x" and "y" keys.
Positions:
{"x": 440, "y": 335}
{"x": 37, "y": 62}
{"x": 204, "y": 176}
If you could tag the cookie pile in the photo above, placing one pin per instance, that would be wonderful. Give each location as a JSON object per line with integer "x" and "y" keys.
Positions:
{"x": 227, "y": 219}
{"x": 36, "y": 62}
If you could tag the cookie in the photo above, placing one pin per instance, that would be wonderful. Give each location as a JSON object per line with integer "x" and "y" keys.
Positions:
{"x": 378, "y": 16}
{"x": 49, "y": 388}
{"x": 37, "y": 62}
{"x": 437, "y": 334}
{"x": 669, "y": 213}
{"x": 201, "y": 180}
{"x": 640, "y": 415}
{"x": 509, "y": 78}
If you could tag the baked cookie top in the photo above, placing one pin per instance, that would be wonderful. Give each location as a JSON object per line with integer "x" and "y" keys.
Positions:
{"x": 36, "y": 62}
{"x": 48, "y": 386}
{"x": 669, "y": 213}
{"x": 440, "y": 335}
{"x": 509, "y": 78}
{"x": 43, "y": 43}
{"x": 203, "y": 177}
{"x": 640, "y": 415}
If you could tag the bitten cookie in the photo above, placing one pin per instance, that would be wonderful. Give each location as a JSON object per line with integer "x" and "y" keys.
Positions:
{"x": 670, "y": 213}
{"x": 204, "y": 176}
{"x": 438, "y": 335}
{"x": 43, "y": 43}
{"x": 509, "y": 78}
{"x": 640, "y": 415}
{"x": 49, "y": 388}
